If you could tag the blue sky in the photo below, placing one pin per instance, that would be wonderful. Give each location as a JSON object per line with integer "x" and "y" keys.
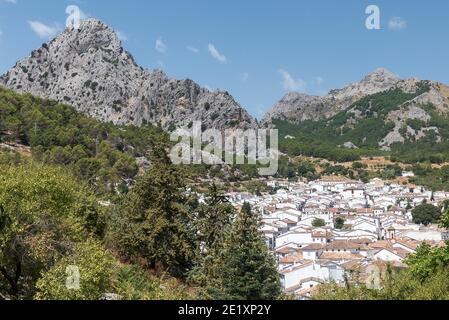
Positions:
{"x": 255, "y": 49}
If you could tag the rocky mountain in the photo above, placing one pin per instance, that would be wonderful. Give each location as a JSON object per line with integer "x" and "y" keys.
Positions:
{"x": 297, "y": 107}
{"x": 382, "y": 112}
{"x": 89, "y": 69}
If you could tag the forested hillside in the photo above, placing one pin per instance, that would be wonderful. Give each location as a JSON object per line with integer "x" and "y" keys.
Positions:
{"x": 71, "y": 200}
{"x": 391, "y": 122}
{"x": 100, "y": 153}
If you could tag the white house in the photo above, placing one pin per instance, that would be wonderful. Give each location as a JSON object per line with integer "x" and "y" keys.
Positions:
{"x": 350, "y": 193}
{"x": 390, "y": 255}
{"x": 298, "y": 237}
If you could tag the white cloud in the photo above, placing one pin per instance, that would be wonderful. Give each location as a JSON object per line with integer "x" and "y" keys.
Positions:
{"x": 10, "y": 1}
{"x": 193, "y": 49}
{"x": 216, "y": 54}
{"x": 160, "y": 46}
{"x": 291, "y": 84}
{"x": 44, "y": 31}
{"x": 122, "y": 36}
{"x": 1, "y": 33}
{"x": 397, "y": 23}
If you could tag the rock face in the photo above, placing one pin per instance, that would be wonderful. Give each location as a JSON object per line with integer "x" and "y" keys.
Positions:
{"x": 88, "y": 69}
{"x": 381, "y": 111}
{"x": 298, "y": 107}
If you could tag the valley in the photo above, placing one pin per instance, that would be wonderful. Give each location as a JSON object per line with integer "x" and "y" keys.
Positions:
{"x": 86, "y": 180}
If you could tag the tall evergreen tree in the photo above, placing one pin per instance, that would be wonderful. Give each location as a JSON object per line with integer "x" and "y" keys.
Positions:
{"x": 213, "y": 218}
{"x": 247, "y": 269}
{"x": 212, "y": 221}
{"x": 153, "y": 223}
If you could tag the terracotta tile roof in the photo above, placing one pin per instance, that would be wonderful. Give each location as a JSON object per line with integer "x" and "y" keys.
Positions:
{"x": 340, "y": 256}
{"x": 294, "y": 258}
{"x": 283, "y": 250}
{"x": 364, "y": 241}
{"x": 342, "y": 245}
{"x": 288, "y": 221}
{"x": 365, "y": 210}
{"x": 299, "y": 265}
{"x": 352, "y": 265}
{"x": 397, "y": 251}
{"x": 411, "y": 244}
{"x": 381, "y": 244}
{"x": 313, "y": 246}
{"x": 320, "y": 234}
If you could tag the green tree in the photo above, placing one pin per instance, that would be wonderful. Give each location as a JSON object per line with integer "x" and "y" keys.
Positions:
{"x": 358, "y": 165}
{"x": 247, "y": 269}
{"x": 318, "y": 222}
{"x": 132, "y": 282}
{"x": 426, "y": 214}
{"x": 43, "y": 211}
{"x": 153, "y": 223}
{"x": 213, "y": 218}
{"x": 339, "y": 222}
{"x": 95, "y": 266}
{"x": 212, "y": 221}
{"x": 444, "y": 219}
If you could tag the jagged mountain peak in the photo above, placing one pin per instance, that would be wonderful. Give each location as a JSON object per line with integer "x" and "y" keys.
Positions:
{"x": 381, "y": 75}
{"x": 92, "y": 35}
{"x": 296, "y": 108}
{"x": 89, "y": 69}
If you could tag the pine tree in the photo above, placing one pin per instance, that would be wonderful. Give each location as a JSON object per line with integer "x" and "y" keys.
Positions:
{"x": 153, "y": 223}
{"x": 247, "y": 270}
{"x": 212, "y": 221}
{"x": 213, "y": 218}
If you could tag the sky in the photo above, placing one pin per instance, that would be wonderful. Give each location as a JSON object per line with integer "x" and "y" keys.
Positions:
{"x": 257, "y": 50}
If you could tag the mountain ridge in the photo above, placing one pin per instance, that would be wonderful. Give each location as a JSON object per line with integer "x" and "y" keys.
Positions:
{"x": 297, "y": 107}
{"x": 89, "y": 69}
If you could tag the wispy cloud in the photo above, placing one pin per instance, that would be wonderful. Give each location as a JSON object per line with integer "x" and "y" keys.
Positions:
{"x": 44, "y": 31}
{"x": 160, "y": 45}
{"x": 245, "y": 76}
{"x": 216, "y": 54}
{"x": 10, "y": 1}
{"x": 291, "y": 84}
{"x": 193, "y": 49}
{"x": 397, "y": 23}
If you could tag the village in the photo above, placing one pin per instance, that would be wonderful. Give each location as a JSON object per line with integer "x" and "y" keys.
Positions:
{"x": 335, "y": 229}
